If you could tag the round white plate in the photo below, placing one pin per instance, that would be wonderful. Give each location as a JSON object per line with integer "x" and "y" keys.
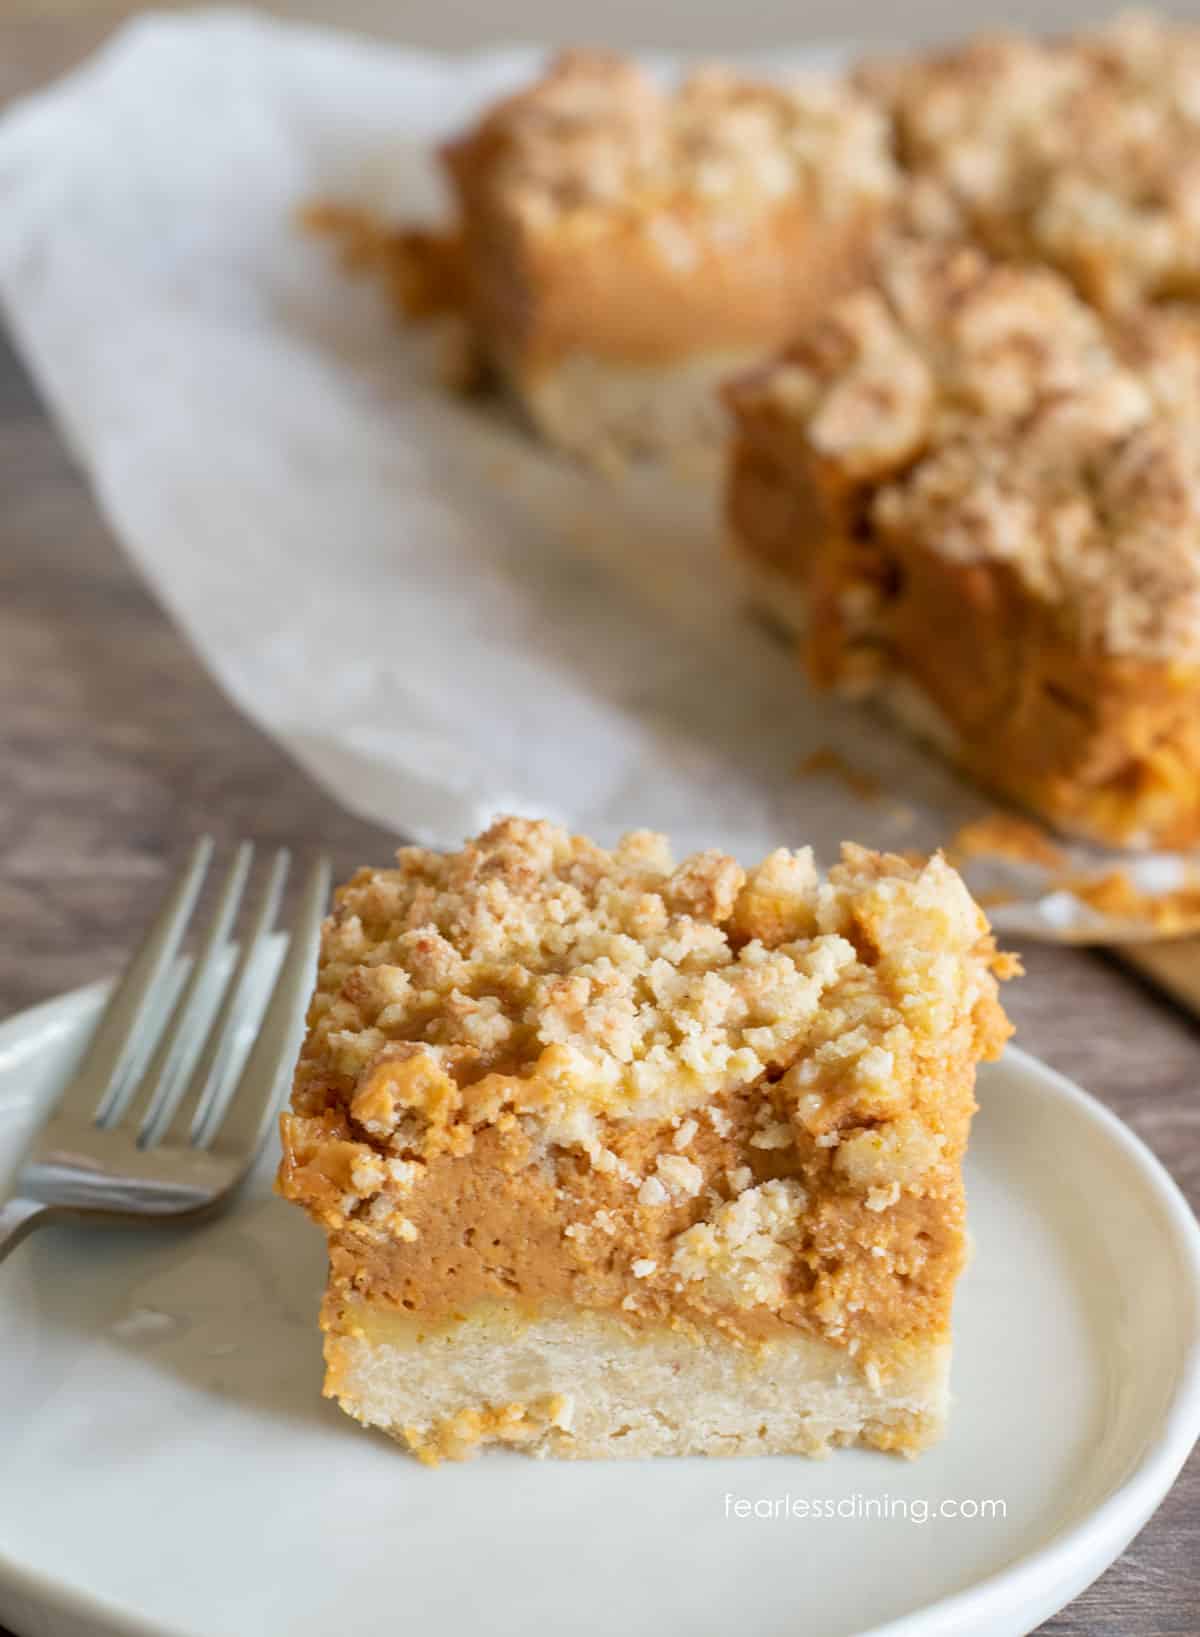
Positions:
{"x": 169, "y": 1467}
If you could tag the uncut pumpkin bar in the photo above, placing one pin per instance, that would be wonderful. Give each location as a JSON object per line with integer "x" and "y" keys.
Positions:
{"x": 623, "y": 1157}
{"x": 620, "y": 248}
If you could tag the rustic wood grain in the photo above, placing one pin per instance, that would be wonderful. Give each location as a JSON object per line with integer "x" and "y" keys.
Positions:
{"x": 115, "y": 748}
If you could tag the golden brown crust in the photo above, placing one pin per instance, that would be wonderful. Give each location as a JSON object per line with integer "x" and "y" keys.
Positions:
{"x": 541, "y": 1072}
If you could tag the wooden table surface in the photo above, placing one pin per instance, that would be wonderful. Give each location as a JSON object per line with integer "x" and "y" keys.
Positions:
{"x": 116, "y": 747}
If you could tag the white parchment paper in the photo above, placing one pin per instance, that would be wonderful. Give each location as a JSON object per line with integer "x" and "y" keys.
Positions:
{"x": 436, "y": 617}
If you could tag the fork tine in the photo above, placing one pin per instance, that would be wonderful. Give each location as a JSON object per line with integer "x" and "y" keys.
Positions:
{"x": 193, "y": 1013}
{"x": 94, "y": 1090}
{"x": 269, "y": 1065}
{"x": 193, "y": 1111}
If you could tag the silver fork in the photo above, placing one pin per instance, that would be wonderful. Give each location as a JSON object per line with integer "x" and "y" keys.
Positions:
{"x": 173, "y": 1139}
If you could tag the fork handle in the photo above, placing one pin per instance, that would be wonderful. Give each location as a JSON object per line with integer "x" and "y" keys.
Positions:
{"x": 18, "y": 1216}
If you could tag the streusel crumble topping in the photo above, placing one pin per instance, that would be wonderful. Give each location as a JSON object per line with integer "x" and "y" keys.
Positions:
{"x": 596, "y": 133}
{"x": 1083, "y": 151}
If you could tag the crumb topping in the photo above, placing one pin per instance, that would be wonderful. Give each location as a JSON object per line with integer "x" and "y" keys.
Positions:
{"x": 1082, "y": 151}
{"x": 596, "y": 133}
{"x": 1106, "y": 526}
{"x": 743, "y": 1253}
{"x": 536, "y": 976}
{"x": 999, "y": 419}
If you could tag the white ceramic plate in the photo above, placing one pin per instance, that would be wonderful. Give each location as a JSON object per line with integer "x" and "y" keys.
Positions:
{"x": 167, "y": 1465}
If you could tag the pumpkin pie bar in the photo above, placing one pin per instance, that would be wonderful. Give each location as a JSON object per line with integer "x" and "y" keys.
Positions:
{"x": 1082, "y": 153}
{"x": 984, "y": 499}
{"x": 624, "y": 247}
{"x": 623, "y": 1157}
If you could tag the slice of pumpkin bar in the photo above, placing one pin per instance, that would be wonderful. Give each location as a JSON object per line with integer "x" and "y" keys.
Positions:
{"x": 619, "y": 1157}
{"x": 978, "y": 503}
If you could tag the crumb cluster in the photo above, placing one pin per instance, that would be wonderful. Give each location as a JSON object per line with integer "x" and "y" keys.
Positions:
{"x": 596, "y": 134}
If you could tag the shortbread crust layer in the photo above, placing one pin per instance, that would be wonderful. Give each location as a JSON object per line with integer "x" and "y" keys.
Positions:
{"x": 580, "y": 1386}
{"x": 605, "y": 410}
